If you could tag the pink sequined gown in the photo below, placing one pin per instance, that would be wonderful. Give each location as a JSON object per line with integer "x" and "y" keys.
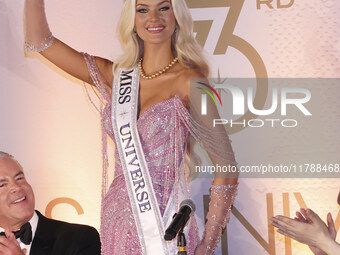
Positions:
{"x": 163, "y": 132}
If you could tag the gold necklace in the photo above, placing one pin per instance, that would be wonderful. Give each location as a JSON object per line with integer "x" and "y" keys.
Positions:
{"x": 149, "y": 77}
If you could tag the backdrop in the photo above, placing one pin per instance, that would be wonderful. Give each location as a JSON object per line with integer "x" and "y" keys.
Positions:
{"x": 48, "y": 124}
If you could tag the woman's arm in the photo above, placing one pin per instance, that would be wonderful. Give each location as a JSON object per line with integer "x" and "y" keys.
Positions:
{"x": 39, "y": 38}
{"x": 215, "y": 141}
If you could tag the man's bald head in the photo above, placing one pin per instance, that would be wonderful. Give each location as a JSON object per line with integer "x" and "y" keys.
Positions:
{"x": 5, "y": 155}
{"x": 16, "y": 195}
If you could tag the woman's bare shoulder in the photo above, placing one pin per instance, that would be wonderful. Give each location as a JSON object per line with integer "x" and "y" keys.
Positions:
{"x": 190, "y": 73}
{"x": 187, "y": 78}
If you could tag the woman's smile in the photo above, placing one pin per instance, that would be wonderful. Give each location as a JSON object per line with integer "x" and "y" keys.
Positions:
{"x": 155, "y": 28}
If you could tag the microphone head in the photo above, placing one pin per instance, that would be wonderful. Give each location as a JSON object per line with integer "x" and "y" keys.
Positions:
{"x": 190, "y": 203}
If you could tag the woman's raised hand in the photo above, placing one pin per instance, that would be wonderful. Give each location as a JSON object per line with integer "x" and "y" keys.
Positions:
{"x": 39, "y": 38}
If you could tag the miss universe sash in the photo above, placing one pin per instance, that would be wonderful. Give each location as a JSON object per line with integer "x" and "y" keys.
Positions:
{"x": 143, "y": 201}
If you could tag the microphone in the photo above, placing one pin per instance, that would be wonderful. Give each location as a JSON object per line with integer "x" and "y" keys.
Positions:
{"x": 180, "y": 219}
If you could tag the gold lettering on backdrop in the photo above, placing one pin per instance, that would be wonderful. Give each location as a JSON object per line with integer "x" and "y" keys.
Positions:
{"x": 337, "y": 222}
{"x": 266, "y": 2}
{"x": 228, "y": 38}
{"x": 279, "y": 5}
{"x": 63, "y": 200}
{"x": 206, "y": 200}
{"x": 224, "y": 237}
{"x": 270, "y": 245}
{"x": 202, "y": 28}
{"x": 289, "y": 4}
{"x": 286, "y": 209}
{"x": 206, "y": 3}
{"x": 300, "y": 200}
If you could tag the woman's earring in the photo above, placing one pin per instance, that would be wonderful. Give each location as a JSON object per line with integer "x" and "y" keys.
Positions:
{"x": 134, "y": 31}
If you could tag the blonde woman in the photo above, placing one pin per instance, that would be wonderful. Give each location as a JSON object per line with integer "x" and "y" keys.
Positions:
{"x": 145, "y": 101}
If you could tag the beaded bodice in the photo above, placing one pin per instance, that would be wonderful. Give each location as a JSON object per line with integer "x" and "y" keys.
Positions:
{"x": 163, "y": 138}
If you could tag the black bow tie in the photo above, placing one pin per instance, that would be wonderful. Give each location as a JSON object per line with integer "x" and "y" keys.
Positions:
{"x": 24, "y": 233}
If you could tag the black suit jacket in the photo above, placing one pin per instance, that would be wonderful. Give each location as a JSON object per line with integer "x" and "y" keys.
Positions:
{"x": 54, "y": 237}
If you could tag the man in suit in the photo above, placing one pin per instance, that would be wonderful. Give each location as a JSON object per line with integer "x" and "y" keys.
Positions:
{"x": 24, "y": 231}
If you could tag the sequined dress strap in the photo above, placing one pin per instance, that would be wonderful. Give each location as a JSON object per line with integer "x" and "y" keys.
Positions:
{"x": 104, "y": 99}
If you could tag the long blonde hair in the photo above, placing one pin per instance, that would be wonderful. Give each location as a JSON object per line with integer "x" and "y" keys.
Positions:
{"x": 184, "y": 45}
